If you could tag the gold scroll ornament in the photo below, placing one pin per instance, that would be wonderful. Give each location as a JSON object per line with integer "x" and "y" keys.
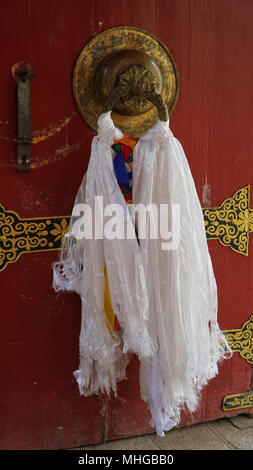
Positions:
{"x": 19, "y": 236}
{"x": 230, "y": 223}
{"x": 241, "y": 341}
{"x": 238, "y": 401}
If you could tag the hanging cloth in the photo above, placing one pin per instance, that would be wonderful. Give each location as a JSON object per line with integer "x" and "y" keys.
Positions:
{"x": 122, "y": 164}
{"x": 164, "y": 299}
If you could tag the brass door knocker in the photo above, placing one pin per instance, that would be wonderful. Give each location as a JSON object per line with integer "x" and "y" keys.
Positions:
{"x": 137, "y": 85}
{"x": 130, "y": 72}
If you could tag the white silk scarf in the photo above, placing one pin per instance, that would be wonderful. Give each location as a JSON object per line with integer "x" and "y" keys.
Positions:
{"x": 165, "y": 300}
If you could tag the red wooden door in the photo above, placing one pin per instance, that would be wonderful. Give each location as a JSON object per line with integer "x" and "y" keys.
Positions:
{"x": 212, "y": 43}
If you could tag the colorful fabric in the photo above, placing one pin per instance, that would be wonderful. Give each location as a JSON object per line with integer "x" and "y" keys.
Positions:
{"x": 122, "y": 164}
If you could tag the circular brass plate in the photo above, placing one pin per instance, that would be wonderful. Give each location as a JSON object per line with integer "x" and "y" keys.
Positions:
{"x": 108, "y": 42}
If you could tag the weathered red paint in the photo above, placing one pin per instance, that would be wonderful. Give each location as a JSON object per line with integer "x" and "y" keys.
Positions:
{"x": 212, "y": 43}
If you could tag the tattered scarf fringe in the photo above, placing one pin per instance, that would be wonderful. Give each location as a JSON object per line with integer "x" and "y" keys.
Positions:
{"x": 165, "y": 301}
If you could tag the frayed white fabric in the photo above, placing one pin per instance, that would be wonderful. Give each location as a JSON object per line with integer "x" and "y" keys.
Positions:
{"x": 165, "y": 300}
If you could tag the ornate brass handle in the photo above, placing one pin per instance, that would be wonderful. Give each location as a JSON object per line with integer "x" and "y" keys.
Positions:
{"x": 138, "y": 82}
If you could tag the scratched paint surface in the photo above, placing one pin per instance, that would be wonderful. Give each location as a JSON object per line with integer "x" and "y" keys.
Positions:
{"x": 211, "y": 43}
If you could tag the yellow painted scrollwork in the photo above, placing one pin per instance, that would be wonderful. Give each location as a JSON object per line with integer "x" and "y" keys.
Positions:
{"x": 18, "y": 236}
{"x": 231, "y": 222}
{"x": 241, "y": 340}
{"x": 237, "y": 401}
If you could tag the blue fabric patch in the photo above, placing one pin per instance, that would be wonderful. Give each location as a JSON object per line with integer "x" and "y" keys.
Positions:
{"x": 120, "y": 169}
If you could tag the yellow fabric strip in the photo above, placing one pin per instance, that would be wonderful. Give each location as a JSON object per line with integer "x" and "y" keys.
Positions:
{"x": 108, "y": 306}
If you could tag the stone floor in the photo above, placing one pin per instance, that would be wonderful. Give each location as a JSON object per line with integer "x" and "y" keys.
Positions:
{"x": 223, "y": 434}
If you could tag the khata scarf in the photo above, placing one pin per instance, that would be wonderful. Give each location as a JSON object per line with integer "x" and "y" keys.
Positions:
{"x": 164, "y": 300}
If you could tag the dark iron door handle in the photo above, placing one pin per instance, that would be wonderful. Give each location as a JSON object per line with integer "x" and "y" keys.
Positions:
{"x": 23, "y": 74}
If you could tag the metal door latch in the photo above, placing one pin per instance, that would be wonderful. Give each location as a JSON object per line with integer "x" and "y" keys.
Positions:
{"x": 23, "y": 74}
